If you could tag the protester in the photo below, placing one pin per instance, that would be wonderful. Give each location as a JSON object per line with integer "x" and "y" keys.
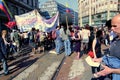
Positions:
{"x": 58, "y": 40}
{"x": 65, "y": 34}
{"x": 37, "y": 40}
{"x": 4, "y": 36}
{"x": 17, "y": 39}
{"x": 85, "y": 39}
{"x": 31, "y": 36}
{"x": 5, "y": 39}
{"x": 77, "y": 42}
{"x": 96, "y": 48}
{"x": 3, "y": 53}
{"x": 42, "y": 40}
{"x": 25, "y": 38}
{"x": 112, "y": 62}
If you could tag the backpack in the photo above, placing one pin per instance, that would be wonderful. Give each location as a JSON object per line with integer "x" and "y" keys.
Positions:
{"x": 54, "y": 34}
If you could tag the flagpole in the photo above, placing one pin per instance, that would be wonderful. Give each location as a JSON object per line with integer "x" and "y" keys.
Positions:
{"x": 66, "y": 21}
{"x": 66, "y": 14}
{"x": 7, "y": 10}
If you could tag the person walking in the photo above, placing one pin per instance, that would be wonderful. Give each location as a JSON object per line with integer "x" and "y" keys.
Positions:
{"x": 3, "y": 53}
{"x": 65, "y": 34}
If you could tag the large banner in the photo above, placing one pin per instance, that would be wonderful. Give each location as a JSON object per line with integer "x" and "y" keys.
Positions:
{"x": 33, "y": 19}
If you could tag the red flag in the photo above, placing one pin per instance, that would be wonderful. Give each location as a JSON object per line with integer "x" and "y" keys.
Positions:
{"x": 11, "y": 24}
{"x": 67, "y": 10}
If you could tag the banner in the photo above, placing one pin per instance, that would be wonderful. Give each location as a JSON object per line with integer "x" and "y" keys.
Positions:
{"x": 27, "y": 21}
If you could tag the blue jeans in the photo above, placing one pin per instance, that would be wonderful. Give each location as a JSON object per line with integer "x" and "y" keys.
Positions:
{"x": 58, "y": 45}
{"x": 5, "y": 66}
{"x": 67, "y": 45}
{"x": 112, "y": 62}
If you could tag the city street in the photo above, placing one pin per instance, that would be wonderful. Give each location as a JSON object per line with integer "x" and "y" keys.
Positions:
{"x": 49, "y": 66}
{"x": 33, "y": 32}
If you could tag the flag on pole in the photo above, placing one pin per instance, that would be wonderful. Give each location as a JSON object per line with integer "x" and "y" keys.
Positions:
{"x": 5, "y": 9}
{"x": 67, "y": 9}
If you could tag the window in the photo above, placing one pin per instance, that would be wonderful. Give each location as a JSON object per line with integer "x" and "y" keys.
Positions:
{"x": 32, "y": 2}
{"x": 28, "y": 1}
{"x": 14, "y": 10}
{"x": 22, "y": 11}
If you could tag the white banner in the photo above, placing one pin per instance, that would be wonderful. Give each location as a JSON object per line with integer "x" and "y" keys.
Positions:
{"x": 33, "y": 19}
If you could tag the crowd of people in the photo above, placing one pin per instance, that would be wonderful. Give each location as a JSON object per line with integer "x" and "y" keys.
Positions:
{"x": 71, "y": 39}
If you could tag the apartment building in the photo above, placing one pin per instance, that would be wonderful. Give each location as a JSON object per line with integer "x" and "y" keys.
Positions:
{"x": 96, "y": 12}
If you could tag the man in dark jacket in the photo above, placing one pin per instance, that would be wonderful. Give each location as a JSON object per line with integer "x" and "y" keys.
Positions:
{"x": 3, "y": 52}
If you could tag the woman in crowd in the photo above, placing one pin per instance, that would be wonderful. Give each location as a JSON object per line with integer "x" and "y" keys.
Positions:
{"x": 77, "y": 41}
{"x": 65, "y": 34}
{"x": 96, "y": 47}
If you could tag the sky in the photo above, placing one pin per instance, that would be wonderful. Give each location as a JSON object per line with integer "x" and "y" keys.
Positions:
{"x": 71, "y": 3}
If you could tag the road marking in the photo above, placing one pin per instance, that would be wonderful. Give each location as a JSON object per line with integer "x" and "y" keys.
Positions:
{"x": 48, "y": 73}
{"x": 76, "y": 69}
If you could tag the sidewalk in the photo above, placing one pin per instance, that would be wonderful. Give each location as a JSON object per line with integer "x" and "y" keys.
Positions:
{"x": 43, "y": 67}
{"x": 74, "y": 69}
{"x": 18, "y": 65}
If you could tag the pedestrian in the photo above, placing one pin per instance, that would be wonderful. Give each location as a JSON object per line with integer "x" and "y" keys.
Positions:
{"x": 65, "y": 34}
{"x": 58, "y": 40}
{"x": 85, "y": 39}
{"x": 96, "y": 48}
{"x": 5, "y": 39}
{"x": 112, "y": 61}
{"x": 32, "y": 43}
{"x": 37, "y": 40}
{"x": 3, "y": 53}
{"x": 77, "y": 42}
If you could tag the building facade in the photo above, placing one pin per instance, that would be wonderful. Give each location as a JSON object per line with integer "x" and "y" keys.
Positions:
{"x": 96, "y": 12}
{"x": 51, "y": 7}
{"x": 17, "y": 7}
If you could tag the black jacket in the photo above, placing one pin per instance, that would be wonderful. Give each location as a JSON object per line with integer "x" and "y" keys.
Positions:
{"x": 3, "y": 51}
